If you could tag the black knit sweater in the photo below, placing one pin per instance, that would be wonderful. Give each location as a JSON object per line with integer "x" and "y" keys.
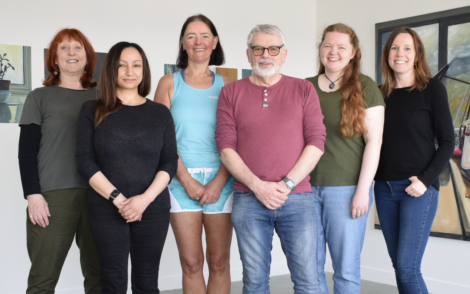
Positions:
{"x": 129, "y": 147}
{"x": 413, "y": 120}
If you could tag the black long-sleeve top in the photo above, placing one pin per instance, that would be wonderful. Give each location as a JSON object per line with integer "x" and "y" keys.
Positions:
{"x": 129, "y": 147}
{"x": 413, "y": 120}
{"x": 28, "y": 149}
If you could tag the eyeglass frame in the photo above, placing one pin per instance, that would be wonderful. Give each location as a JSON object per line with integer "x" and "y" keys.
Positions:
{"x": 264, "y": 49}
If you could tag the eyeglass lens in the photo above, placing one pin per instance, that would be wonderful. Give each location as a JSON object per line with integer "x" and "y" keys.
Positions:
{"x": 273, "y": 50}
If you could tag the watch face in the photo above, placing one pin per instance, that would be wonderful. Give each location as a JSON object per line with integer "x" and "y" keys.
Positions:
{"x": 115, "y": 194}
{"x": 290, "y": 184}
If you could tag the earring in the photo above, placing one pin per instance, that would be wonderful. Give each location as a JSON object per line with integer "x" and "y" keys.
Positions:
{"x": 56, "y": 72}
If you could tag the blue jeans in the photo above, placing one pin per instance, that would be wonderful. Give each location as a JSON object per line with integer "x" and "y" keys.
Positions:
{"x": 295, "y": 223}
{"x": 344, "y": 235}
{"x": 406, "y": 223}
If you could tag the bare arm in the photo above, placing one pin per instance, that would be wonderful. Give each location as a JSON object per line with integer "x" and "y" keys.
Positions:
{"x": 163, "y": 95}
{"x": 134, "y": 207}
{"x": 305, "y": 164}
{"x": 374, "y": 121}
{"x": 103, "y": 186}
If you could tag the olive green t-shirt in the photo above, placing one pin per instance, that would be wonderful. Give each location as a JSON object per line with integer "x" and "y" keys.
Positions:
{"x": 341, "y": 163}
{"x": 56, "y": 110}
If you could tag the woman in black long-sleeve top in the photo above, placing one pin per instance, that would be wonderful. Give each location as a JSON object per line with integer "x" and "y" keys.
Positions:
{"x": 407, "y": 185}
{"x": 126, "y": 149}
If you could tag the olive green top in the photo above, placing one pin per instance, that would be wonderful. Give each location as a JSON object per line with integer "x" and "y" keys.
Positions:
{"x": 341, "y": 163}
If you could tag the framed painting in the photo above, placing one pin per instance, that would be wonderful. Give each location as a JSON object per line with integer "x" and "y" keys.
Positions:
{"x": 16, "y": 61}
{"x": 228, "y": 72}
{"x": 446, "y": 38}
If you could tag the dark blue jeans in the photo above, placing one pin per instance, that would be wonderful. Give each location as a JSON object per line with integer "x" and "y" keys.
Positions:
{"x": 115, "y": 240}
{"x": 406, "y": 223}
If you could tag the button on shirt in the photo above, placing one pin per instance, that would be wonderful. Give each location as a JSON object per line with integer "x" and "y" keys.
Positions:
{"x": 269, "y": 127}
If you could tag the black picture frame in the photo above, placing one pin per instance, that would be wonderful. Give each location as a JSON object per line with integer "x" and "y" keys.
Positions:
{"x": 443, "y": 18}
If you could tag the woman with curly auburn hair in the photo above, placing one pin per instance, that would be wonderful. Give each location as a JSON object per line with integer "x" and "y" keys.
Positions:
{"x": 56, "y": 194}
{"x": 407, "y": 180}
{"x": 342, "y": 180}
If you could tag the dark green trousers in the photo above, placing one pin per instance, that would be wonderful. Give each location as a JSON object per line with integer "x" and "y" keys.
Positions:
{"x": 48, "y": 247}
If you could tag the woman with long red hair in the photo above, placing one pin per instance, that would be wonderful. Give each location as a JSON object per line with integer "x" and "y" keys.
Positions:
{"x": 56, "y": 194}
{"x": 342, "y": 180}
{"x": 407, "y": 181}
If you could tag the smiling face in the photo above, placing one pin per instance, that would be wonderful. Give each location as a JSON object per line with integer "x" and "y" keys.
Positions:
{"x": 71, "y": 57}
{"x": 402, "y": 54}
{"x": 336, "y": 52}
{"x": 266, "y": 65}
{"x": 199, "y": 42}
{"x": 130, "y": 69}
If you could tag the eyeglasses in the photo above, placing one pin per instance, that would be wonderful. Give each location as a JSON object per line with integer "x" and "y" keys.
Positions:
{"x": 272, "y": 50}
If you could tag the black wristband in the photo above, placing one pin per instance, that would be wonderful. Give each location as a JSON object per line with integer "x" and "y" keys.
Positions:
{"x": 113, "y": 195}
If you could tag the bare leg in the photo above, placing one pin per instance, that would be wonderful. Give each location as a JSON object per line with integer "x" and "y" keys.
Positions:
{"x": 187, "y": 227}
{"x": 218, "y": 228}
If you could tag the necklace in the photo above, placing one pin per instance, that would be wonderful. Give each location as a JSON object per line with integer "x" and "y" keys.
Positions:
{"x": 332, "y": 85}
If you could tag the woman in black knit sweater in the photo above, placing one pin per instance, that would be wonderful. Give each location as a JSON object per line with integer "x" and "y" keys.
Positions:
{"x": 126, "y": 150}
{"x": 407, "y": 185}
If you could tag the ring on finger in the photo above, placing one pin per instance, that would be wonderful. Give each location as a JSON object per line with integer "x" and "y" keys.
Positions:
{"x": 31, "y": 216}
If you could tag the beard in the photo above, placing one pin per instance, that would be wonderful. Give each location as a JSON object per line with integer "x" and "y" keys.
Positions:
{"x": 265, "y": 72}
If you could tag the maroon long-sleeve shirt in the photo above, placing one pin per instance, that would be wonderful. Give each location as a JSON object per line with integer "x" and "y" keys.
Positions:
{"x": 270, "y": 139}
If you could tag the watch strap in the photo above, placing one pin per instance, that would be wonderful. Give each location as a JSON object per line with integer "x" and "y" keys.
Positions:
{"x": 113, "y": 195}
{"x": 290, "y": 184}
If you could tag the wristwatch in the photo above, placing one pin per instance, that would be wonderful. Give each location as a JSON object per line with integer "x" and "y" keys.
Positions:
{"x": 114, "y": 195}
{"x": 290, "y": 184}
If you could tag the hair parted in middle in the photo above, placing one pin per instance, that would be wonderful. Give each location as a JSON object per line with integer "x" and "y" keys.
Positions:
{"x": 422, "y": 71}
{"x": 51, "y": 57}
{"x": 217, "y": 56}
{"x": 108, "y": 102}
{"x": 352, "y": 104}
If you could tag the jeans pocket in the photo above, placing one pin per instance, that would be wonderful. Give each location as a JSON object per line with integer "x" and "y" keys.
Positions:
{"x": 239, "y": 193}
{"x": 433, "y": 192}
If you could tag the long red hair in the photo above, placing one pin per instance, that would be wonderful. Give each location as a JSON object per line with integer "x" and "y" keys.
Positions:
{"x": 51, "y": 56}
{"x": 422, "y": 72}
{"x": 352, "y": 104}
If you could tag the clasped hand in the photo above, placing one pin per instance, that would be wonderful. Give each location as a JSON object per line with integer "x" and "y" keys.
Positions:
{"x": 132, "y": 208}
{"x": 204, "y": 194}
{"x": 271, "y": 194}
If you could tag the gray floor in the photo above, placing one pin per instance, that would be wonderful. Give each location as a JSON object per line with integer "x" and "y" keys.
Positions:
{"x": 283, "y": 285}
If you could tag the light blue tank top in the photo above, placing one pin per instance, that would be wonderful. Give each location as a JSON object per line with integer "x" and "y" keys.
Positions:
{"x": 194, "y": 114}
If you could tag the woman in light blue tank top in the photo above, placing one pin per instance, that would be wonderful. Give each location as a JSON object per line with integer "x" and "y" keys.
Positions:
{"x": 201, "y": 192}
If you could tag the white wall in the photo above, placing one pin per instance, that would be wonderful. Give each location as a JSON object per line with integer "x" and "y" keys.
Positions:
{"x": 446, "y": 262}
{"x": 155, "y": 25}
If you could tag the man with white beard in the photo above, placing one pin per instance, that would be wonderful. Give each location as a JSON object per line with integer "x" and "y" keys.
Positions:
{"x": 270, "y": 136}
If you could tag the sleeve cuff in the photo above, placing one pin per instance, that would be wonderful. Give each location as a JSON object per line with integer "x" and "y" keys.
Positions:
{"x": 320, "y": 144}
{"x": 426, "y": 181}
{"x": 224, "y": 145}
